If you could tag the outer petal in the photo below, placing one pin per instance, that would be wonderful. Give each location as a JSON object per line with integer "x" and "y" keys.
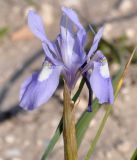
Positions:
{"x": 36, "y": 25}
{"x": 100, "y": 81}
{"x": 38, "y": 89}
{"x": 95, "y": 42}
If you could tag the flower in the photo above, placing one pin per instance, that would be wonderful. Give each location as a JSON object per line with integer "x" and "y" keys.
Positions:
{"x": 66, "y": 56}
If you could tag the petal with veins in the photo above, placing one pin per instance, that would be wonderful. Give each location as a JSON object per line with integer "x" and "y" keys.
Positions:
{"x": 39, "y": 88}
{"x": 36, "y": 25}
{"x": 100, "y": 79}
{"x": 102, "y": 87}
{"x": 81, "y": 33}
{"x": 95, "y": 42}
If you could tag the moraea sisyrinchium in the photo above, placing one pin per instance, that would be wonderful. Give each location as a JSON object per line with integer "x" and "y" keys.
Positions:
{"x": 66, "y": 56}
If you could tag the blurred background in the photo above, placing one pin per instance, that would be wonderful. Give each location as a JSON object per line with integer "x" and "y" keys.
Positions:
{"x": 25, "y": 135}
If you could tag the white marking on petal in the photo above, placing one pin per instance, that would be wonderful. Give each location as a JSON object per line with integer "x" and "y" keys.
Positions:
{"x": 45, "y": 73}
{"x": 104, "y": 71}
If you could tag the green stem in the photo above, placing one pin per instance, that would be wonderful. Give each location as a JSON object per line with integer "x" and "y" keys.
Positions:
{"x": 69, "y": 133}
{"x": 60, "y": 126}
{"x": 92, "y": 147}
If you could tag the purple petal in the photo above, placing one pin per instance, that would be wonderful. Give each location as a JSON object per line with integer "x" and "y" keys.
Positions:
{"x": 50, "y": 54}
{"x": 67, "y": 41}
{"x": 36, "y": 25}
{"x": 95, "y": 42}
{"x": 71, "y": 47}
{"x": 39, "y": 88}
{"x": 100, "y": 80}
{"x": 66, "y": 27}
{"x": 74, "y": 18}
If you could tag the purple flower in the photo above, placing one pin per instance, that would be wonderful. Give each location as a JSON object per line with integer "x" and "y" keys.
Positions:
{"x": 66, "y": 56}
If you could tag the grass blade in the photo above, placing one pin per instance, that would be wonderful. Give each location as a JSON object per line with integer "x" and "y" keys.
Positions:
{"x": 134, "y": 157}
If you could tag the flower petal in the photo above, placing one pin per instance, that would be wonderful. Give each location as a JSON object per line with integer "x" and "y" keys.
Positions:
{"x": 79, "y": 38}
{"x": 39, "y": 88}
{"x": 95, "y": 42}
{"x": 67, "y": 41}
{"x": 71, "y": 14}
{"x": 36, "y": 25}
{"x": 71, "y": 48}
{"x": 50, "y": 54}
{"x": 100, "y": 81}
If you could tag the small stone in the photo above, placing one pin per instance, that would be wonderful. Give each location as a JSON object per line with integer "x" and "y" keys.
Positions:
{"x": 82, "y": 104}
{"x": 113, "y": 154}
{"x": 126, "y": 6}
{"x": 93, "y": 123}
{"x": 11, "y": 153}
{"x": 109, "y": 155}
{"x": 54, "y": 123}
{"x": 39, "y": 142}
{"x": 107, "y": 30}
{"x": 124, "y": 147}
{"x": 71, "y": 3}
{"x": 10, "y": 139}
{"x": 130, "y": 33}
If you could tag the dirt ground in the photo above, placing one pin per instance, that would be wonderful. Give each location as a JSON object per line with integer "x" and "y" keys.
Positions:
{"x": 24, "y": 135}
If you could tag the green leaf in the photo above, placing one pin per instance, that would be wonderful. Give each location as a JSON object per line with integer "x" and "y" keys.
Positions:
{"x": 95, "y": 140}
{"x": 84, "y": 121}
{"x": 134, "y": 156}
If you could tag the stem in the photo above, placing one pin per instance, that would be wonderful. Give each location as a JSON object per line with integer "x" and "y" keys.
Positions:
{"x": 69, "y": 134}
